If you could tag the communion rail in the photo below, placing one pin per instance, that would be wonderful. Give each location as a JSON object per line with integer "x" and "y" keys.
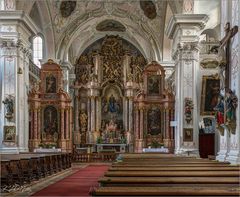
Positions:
{"x": 94, "y": 157}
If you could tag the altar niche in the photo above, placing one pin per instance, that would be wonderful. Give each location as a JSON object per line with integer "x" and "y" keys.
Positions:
{"x": 112, "y": 130}
{"x": 108, "y": 75}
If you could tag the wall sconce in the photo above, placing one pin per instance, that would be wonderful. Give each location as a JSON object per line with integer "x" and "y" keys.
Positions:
{"x": 20, "y": 71}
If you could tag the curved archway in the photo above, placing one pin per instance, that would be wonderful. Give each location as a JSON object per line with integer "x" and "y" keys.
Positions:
{"x": 145, "y": 41}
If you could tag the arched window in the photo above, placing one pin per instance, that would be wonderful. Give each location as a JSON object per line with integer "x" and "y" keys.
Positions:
{"x": 2, "y": 5}
{"x": 37, "y": 50}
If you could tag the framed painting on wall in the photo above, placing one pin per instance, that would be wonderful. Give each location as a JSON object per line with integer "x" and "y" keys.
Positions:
{"x": 153, "y": 85}
{"x": 9, "y": 134}
{"x": 187, "y": 134}
{"x": 210, "y": 93}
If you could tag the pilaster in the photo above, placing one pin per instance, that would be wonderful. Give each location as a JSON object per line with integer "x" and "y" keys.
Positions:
{"x": 184, "y": 30}
{"x": 15, "y": 29}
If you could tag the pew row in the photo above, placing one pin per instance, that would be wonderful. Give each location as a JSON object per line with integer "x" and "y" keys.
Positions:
{"x": 20, "y": 169}
{"x": 163, "y": 181}
{"x": 167, "y": 191}
{"x": 172, "y": 173}
{"x": 176, "y": 168}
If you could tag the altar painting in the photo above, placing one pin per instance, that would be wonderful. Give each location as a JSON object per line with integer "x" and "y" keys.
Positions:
{"x": 50, "y": 124}
{"x": 51, "y": 85}
{"x": 153, "y": 85}
{"x": 154, "y": 121}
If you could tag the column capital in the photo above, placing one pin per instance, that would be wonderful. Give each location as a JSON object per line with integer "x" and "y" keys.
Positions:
{"x": 15, "y": 24}
{"x": 188, "y": 23}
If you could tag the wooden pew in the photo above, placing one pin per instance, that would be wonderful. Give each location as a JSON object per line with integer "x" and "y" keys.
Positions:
{"x": 163, "y": 181}
{"x": 18, "y": 169}
{"x": 150, "y": 165}
{"x": 166, "y": 191}
{"x": 174, "y": 168}
{"x": 6, "y": 176}
{"x": 172, "y": 173}
{"x": 154, "y": 175}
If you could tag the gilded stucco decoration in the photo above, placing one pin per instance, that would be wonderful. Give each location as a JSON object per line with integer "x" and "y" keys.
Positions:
{"x": 112, "y": 52}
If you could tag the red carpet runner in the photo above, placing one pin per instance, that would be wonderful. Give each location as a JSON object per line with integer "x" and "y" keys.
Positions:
{"x": 77, "y": 184}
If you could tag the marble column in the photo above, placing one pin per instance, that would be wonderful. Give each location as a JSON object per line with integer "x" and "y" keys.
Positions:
{"x": 32, "y": 125}
{"x": 89, "y": 113}
{"x": 76, "y": 111}
{"x": 167, "y": 123}
{"x": 67, "y": 123}
{"x": 93, "y": 115}
{"x": 186, "y": 55}
{"x": 130, "y": 115}
{"x": 62, "y": 123}
{"x": 39, "y": 124}
{"x": 35, "y": 131}
{"x": 125, "y": 122}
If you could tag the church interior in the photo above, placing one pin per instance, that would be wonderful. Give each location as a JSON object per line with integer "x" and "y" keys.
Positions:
{"x": 120, "y": 98}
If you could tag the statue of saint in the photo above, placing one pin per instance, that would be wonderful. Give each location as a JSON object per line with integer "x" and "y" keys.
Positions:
{"x": 220, "y": 110}
{"x": 83, "y": 121}
{"x": 8, "y": 103}
{"x": 112, "y": 104}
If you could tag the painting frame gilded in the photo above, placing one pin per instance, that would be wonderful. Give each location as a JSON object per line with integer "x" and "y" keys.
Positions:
{"x": 9, "y": 133}
{"x": 209, "y": 94}
{"x": 188, "y": 134}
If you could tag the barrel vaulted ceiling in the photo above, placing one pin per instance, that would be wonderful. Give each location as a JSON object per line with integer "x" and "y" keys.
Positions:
{"x": 69, "y": 33}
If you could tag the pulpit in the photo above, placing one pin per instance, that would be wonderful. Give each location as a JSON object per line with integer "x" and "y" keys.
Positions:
{"x": 50, "y": 111}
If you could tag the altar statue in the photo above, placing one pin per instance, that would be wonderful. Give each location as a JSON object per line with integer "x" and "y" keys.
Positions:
{"x": 112, "y": 104}
{"x": 111, "y": 126}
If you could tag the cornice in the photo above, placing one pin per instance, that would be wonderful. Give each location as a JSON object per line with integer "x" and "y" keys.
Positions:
{"x": 197, "y": 20}
{"x": 19, "y": 16}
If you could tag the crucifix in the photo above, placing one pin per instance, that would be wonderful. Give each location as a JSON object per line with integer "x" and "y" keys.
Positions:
{"x": 225, "y": 42}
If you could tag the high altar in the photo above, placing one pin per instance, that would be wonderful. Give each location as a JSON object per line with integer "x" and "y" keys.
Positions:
{"x": 119, "y": 98}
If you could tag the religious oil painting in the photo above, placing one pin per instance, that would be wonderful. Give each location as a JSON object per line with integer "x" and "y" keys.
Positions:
{"x": 153, "y": 85}
{"x": 50, "y": 122}
{"x": 51, "y": 84}
{"x": 154, "y": 121}
{"x": 9, "y": 134}
{"x": 187, "y": 134}
{"x": 210, "y": 93}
